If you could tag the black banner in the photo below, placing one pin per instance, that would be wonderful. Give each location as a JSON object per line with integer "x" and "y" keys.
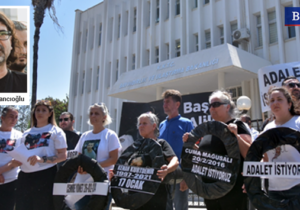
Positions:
{"x": 208, "y": 165}
{"x": 138, "y": 179}
{"x": 193, "y": 107}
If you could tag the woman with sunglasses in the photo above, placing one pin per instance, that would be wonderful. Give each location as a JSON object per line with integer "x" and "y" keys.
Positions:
{"x": 46, "y": 144}
{"x": 148, "y": 128}
{"x": 103, "y": 142}
{"x": 9, "y": 168}
{"x": 222, "y": 108}
{"x": 282, "y": 107}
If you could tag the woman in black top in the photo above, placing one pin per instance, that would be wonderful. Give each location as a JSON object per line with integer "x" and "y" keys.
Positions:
{"x": 148, "y": 128}
{"x": 222, "y": 108}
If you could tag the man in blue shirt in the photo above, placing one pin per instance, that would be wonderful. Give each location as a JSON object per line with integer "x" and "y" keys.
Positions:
{"x": 172, "y": 130}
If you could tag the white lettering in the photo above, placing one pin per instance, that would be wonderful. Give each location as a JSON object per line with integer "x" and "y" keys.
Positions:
{"x": 295, "y": 16}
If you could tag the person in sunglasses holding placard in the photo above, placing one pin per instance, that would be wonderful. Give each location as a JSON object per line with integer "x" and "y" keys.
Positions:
{"x": 10, "y": 81}
{"x": 222, "y": 108}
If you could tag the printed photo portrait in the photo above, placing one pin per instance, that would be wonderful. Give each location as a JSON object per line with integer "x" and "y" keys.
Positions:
{"x": 36, "y": 141}
{"x": 7, "y": 145}
{"x": 90, "y": 148}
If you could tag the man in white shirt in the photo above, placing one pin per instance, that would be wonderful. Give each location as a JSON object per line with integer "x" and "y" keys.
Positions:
{"x": 246, "y": 119}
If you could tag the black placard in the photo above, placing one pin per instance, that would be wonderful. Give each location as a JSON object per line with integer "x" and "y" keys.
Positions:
{"x": 209, "y": 165}
{"x": 138, "y": 179}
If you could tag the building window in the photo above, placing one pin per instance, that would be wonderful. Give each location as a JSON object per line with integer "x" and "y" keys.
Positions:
{"x": 272, "y": 27}
{"x": 259, "y": 31}
{"x": 168, "y": 51}
{"x": 177, "y": 48}
{"x": 100, "y": 33}
{"x": 195, "y": 3}
{"x": 156, "y": 55}
{"x": 168, "y": 10}
{"x": 207, "y": 39}
{"x": 125, "y": 63}
{"x": 111, "y": 29}
{"x": 97, "y": 78}
{"x": 177, "y": 9}
{"x": 149, "y": 14}
{"x": 134, "y": 20}
{"x": 80, "y": 123}
{"x": 126, "y": 24}
{"x": 221, "y": 34}
{"x": 291, "y": 31}
{"x": 79, "y": 43}
{"x": 236, "y": 92}
{"x": 196, "y": 42}
{"x": 117, "y": 70}
{"x": 119, "y": 26}
{"x": 206, "y": 1}
{"x": 92, "y": 39}
{"x": 108, "y": 71}
{"x": 75, "y": 86}
{"x": 133, "y": 61}
{"x": 86, "y": 40}
{"x": 157, "y": 11}
{"x": 82, "y": 82}
{"x": 147, "y": 57}
{"x": 233, "y": 27}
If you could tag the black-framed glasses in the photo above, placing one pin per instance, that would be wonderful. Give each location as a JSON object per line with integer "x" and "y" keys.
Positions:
{"x": 293, "y": 84}
{"x": 64, "y": 119}
{"x": 4, "y": 35}
{"x": 215, "y": 104}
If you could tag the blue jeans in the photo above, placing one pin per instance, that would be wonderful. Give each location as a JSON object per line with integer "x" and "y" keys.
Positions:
{"x": 180, "y": 199}
{"x": 81, "y": 204}
{"x": 285, "y": 194}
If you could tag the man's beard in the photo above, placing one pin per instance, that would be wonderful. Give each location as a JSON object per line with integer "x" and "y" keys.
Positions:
{"x": 17, "y": 67}
{"x": 296, "y": 94}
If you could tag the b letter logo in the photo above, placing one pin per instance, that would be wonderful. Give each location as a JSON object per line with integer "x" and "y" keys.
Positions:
{"x": 292, "y": 16}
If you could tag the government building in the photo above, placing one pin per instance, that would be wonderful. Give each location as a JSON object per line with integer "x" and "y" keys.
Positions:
{"x": 133, "y": 50}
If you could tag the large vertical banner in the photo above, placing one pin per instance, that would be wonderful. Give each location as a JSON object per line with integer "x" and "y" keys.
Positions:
{"x": 193, "y": 107}
{"x": 271, "y": 76}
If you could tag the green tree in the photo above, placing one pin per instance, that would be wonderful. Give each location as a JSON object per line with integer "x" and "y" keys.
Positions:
{"x": 40, "y": 7}
{"x": 59, "y": 106}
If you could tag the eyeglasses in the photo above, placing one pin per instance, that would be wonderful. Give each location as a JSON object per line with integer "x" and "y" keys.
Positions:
{"x": 63, "y": 119}
{"x": 4, "y": 35}
{"x": 46, "y": 102}
{"x": 215, "y": 104}
{"x": 293, "y": 84}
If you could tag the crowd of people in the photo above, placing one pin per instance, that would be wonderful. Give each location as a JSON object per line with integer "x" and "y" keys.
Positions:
{"x": 28, "y": 184}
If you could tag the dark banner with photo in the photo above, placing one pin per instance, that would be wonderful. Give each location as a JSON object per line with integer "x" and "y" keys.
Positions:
{"x": 193, "y": 107}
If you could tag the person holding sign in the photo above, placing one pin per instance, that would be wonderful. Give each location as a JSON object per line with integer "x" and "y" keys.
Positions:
{"x": 282, "y": 107}
{"x": 222, "y": 108}
{"x": 9, "y": 167}
{"x": 148, "y": 129}
{"x": 35, "y": 180}
{"x": 105, "y": 142}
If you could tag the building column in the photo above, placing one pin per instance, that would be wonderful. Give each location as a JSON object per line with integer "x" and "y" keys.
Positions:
{"x": 221, "y": 80}
{"x": 297, "y": 30}
{"x": 159, "y": 91}
{"x": 281, "y": 50}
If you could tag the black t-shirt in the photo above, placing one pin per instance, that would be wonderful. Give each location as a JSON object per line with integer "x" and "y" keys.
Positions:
{"x": 13, "y": 82}
{"x": 213, "y": 144}
{"x": 166, "y": 149}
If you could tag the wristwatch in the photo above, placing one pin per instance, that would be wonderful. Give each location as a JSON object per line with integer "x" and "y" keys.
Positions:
{"x": 45, "y": 159}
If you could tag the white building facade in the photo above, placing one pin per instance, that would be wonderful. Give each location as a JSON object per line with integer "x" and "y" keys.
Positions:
{"x": 133, "y": 50}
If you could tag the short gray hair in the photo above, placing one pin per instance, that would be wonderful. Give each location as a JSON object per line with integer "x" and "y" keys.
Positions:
{"x": 104, "y": 110}
{"x": 225, "y": 97}
{"x": 153, "y": 120}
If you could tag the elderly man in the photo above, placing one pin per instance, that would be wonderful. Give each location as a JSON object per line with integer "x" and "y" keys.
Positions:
{"x": 17, "y": 61}
{"x": 10, "y": 81}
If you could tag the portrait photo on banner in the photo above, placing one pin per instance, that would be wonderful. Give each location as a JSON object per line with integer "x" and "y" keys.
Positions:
{"x": 14, "y": 61}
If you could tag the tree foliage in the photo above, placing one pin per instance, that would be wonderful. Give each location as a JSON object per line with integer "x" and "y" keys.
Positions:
{"x": 59, "y": 106}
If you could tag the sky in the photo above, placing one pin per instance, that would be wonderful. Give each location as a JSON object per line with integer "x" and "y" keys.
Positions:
{"x": 55, "y": 46}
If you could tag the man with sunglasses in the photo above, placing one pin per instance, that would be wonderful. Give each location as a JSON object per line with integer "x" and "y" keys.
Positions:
{"x": 66, "y": 122}
{"x": 10, "y": 81}
{"x": 172, "y": 130}
{"x": 293, "y": 86}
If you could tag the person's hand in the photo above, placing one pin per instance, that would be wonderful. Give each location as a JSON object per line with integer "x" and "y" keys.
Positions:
{"x": 233, "y": 128}
{"x": 35, "y": 159}
{"x": 2, "y": 179}
{"x": 185, "y": 137}
{"x": 111, "y": 174}
{"x": 244, "y": 188}
{"x": 14, "y": 163}
{"x": 163, "y": 172}
{"x": 183, "y": 186}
